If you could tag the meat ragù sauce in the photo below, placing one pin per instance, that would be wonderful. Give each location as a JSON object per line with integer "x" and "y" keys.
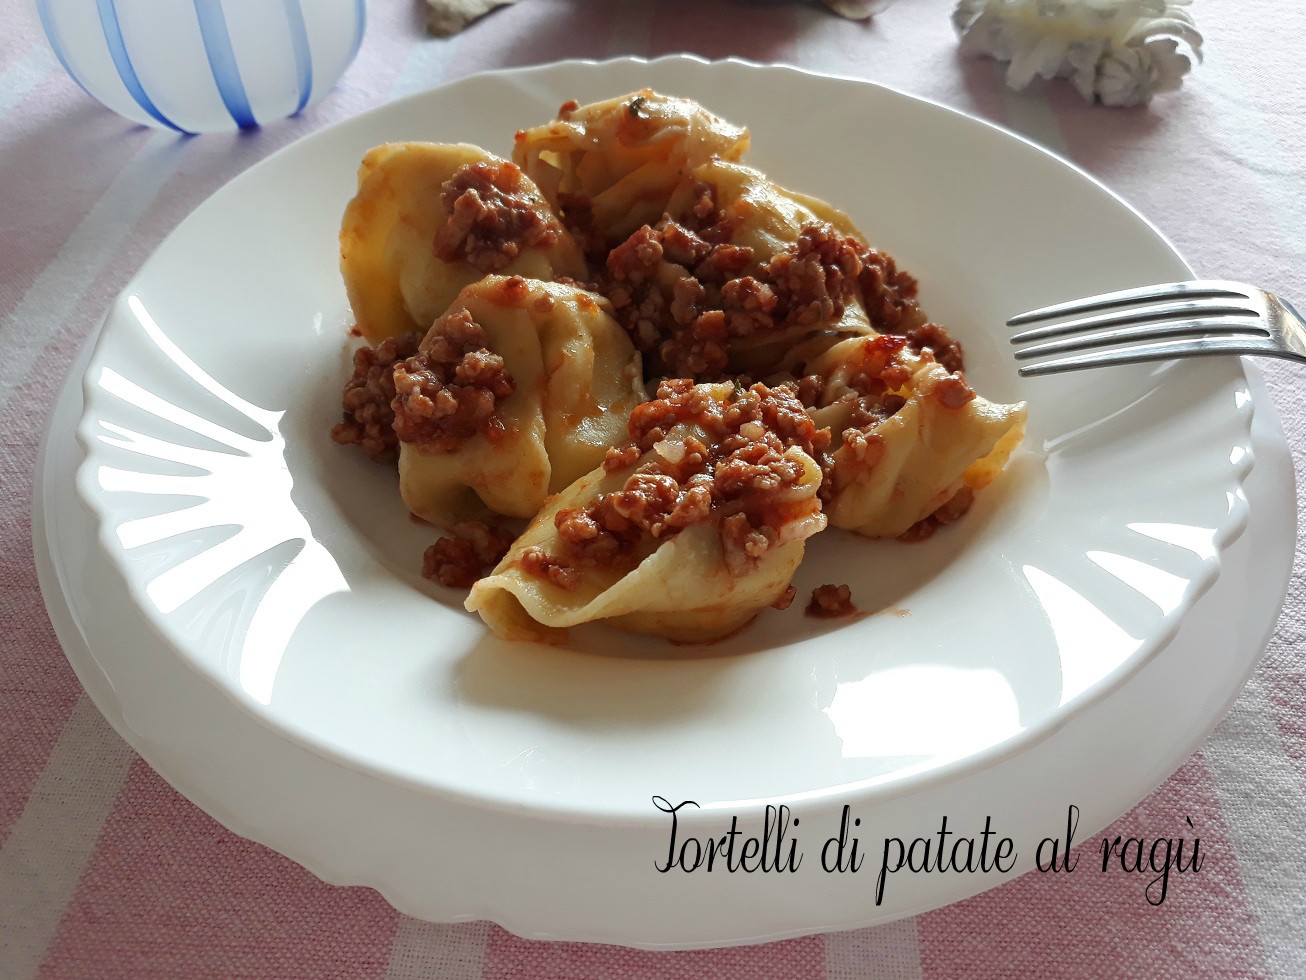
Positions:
{"x": 683, "y": 298}
{"x": 466, "y": 554}
{"x": 831, "y": 602}
{"x": 449, "y": 391}
{"x": 741, "y": 463}
{"x": 684, "y": 292}
{"x": 369, "y": 418}
{"x": 494, "y": 214}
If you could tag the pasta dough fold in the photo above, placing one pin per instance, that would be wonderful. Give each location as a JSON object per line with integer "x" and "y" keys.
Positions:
{"x": 575, "y": 379}
{"x": 690, "y": 571}
{"x": 410, "y": 194}
{"x": 616, "y": 163}
{"x": 909, "y": 435}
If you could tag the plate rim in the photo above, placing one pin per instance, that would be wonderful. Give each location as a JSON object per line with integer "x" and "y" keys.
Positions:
{"x": 879, "y": 788}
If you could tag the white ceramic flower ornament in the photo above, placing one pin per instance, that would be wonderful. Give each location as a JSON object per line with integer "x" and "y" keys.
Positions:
{"x": 1119, "y": 52}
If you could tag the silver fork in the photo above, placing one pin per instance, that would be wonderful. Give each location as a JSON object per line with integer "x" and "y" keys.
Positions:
{"x": 1159, "y": 323}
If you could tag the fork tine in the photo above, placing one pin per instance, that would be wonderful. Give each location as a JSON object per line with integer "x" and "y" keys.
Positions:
{"x": 1200, "y": 289}
{"x": 1146, "y": 331}
{"x": 1167, "y": 312}
{"x": 1194, "y": 347}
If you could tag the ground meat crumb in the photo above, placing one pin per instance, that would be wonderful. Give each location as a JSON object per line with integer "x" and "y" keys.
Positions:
{"x": 955, "y": 508}
{"x": 952, "y": 392}
{"x": 831, "y": 601}
{"x": 493, "y": 215}
{"x": 786, "y": 598}
{"x": 810, "y": 390}
{"x": 952, "y": 511}
{"x": 539, "y": 563}
{"x": 368, "y": 415}
{"x": 922, "y": 530}
{"x": 866, "y": 448}
{"x": 939, "y": 342}
{"x": 464, "y": 556}
{"x": 619, "y": 457}
{"x": 576, "y": 211}
{"x": 450, "y": 389}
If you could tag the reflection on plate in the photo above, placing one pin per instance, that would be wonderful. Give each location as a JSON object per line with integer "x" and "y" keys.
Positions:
{"x": 284, "y": 570}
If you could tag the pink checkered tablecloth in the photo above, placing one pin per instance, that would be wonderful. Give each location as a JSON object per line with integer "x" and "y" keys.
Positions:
{"x": 106, "y": 871}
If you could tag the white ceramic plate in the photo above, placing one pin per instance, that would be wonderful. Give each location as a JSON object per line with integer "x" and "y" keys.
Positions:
{"x": 284, "y": 569}
{"x": 557, "y": 877}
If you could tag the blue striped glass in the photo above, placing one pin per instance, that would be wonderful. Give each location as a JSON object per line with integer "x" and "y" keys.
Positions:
{"x": 199, "y": 66}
